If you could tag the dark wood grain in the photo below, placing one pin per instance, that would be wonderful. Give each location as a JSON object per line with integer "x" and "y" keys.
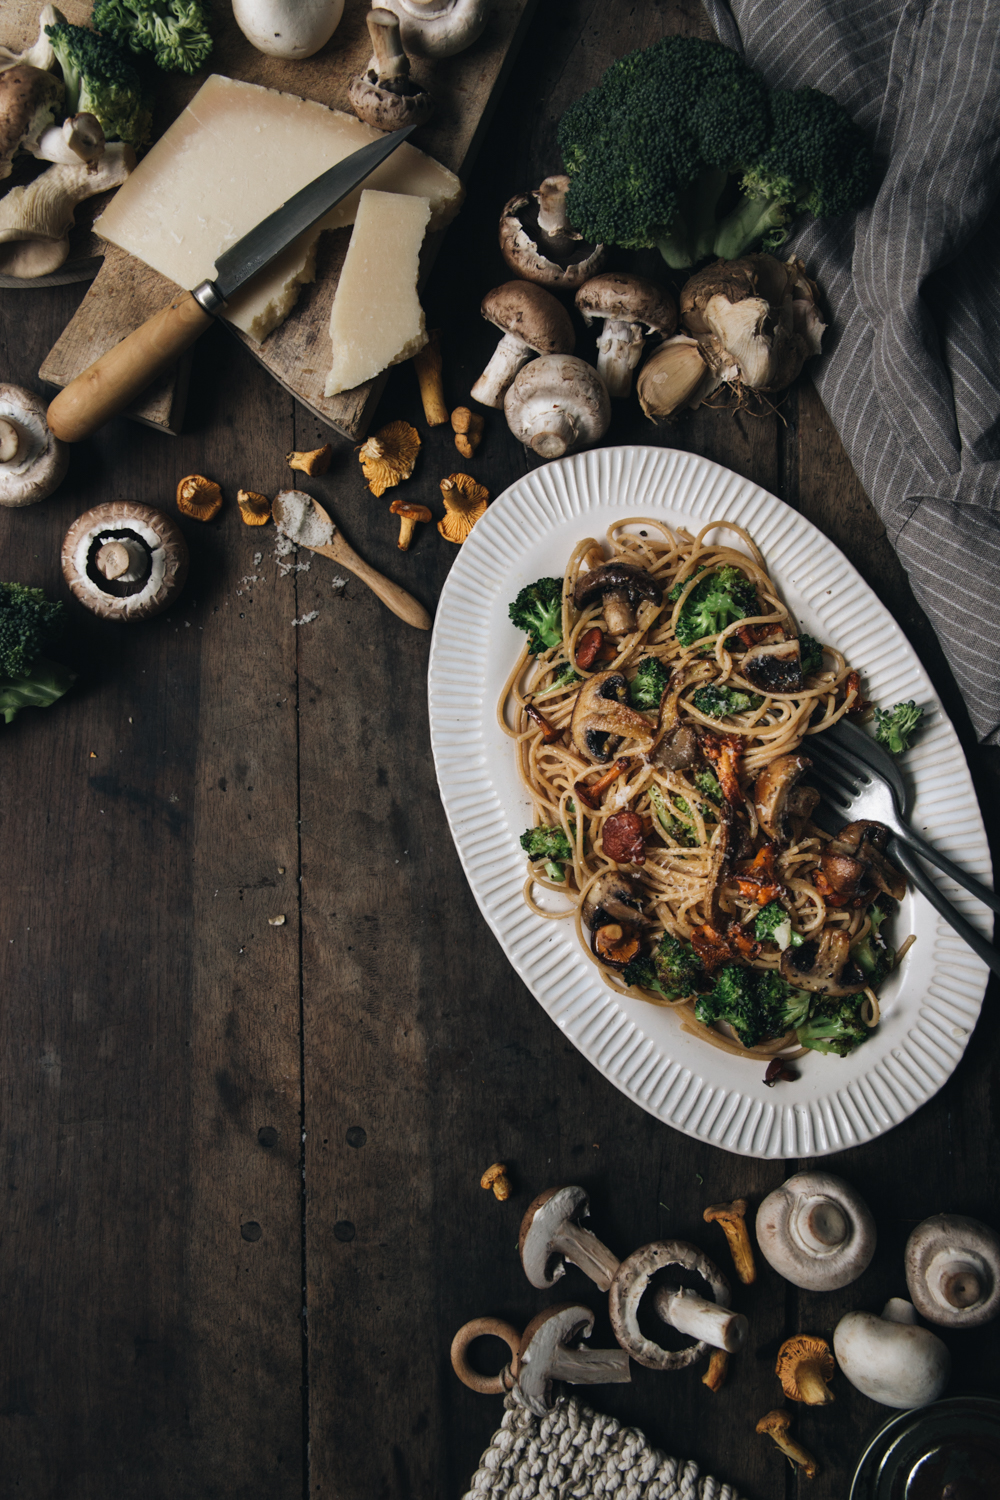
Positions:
{"x": 177, "y": 1073}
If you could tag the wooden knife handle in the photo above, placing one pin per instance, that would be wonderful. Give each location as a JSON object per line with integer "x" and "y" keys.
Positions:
{"x": 392, "y": 596}
{"x": 108, "y": 385}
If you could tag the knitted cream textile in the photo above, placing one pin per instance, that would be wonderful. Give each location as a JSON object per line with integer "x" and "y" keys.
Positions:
{"x": 573, "y": 1453}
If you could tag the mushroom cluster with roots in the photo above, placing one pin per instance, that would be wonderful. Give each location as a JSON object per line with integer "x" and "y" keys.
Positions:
{"x": 33, "y": 461}
{"x": 125, "y": 561}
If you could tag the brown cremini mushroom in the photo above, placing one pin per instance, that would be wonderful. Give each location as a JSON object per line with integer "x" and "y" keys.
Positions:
{"x": 29, "y": 99}
{"x": 774, "y": 667}
{"x": 468, "y": 429}
{"x": 824, "y": 976}
{"x": 615, "y": 944}
{"x": 805, "y": 1368}
{"x": 198, "y": 497}
{"x": 125, "y": 561}
{"x": 631, "y": 308}
{"x": 551, "y": 1234}
{"x": 314, "y": 461}
{"x": 618, "y": 894}
{"x": 464, "y": 503}
{"x": 538, "y": 242}
{"x": 32, "y": 459}
{"x": 389, "y": 456}
{"x": 775, "y": 1425}
{"x": 495, "y": 1177}
{"x": 409, "y": 513}
{"x": 255, "y": 509}
{"x": 781, "y": 804}
{"x": 427, "y": 364}
{"x": 731, "y": 1219}
{"x": 620, "y": 587}
{"x": 385, "y": 95}
{"x": 532, "y": 322}
{"x": 556, "y": 405}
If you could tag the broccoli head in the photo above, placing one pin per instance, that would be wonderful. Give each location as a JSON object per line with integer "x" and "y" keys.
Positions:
{"x": 774, "y": 925}
{"x": 834, "y": 1027}
{"x": 872, "y": 954}
{"x": 101, "y": 81}
{"x": 549, "y": 843}
{"x": 719, "y": 701}
{"x": 538, "y": 611}
{"x": 672, "y": 970}
{"x": 757, "y": 1004}
{"x": 708, "y": 784}
{"x": 646, "y": 688}
{"x": 714, "y": 602}
{"x": 896, "y": 726}
{"x": 174, "y": 32}
{"x": 810, "y": 654}
{"x": 28, "y": 623}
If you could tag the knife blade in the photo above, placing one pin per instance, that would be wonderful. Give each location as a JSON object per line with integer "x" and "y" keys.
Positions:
{"x": 107, "y": 386}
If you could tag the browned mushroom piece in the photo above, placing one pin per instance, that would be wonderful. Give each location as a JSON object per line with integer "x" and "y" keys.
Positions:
{"x": 775, "y": 1425}
{"x": 385, "y": 95}
{"x": 710, "y": 1322}
{"x": 538, "y": 242}
{"x": 781, "y": 804}
{"x": 865, "y": 843}
{"x": 631, "y": 308}
{"x": 620, "y": 587}
{"x": 953, "y": 1270}
{"x": 774, "y": 667}
{"x": 551, "y": 1234}
{"x": 602, "y": 720}
{"x": 824, "y": 975}
{"x": 532, "y": 322}
{"x": 547, "y": 1354}
{"x": 616, "y": 894}
{"x": 615, "y": 944}
{"x": 125, "y": 561}
{"x": 805, "y": 1368}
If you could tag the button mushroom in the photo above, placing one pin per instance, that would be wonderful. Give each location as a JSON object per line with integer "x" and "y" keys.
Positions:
{"x": 602, "y": 720}
{"x": 953, "y": 1270}
{"x": 29, "y": 99}
{"x": 385, "y": 95}
{"x": 615, "y": 894}
{"x": 805, "y": 1368}
{"x": 710, "y": 1323}
{"x": 557, "y": 405}
{"x": 32, "y": 459}
{"x": 816, "y": 1231}
{"x": 620, "y": 587}
{"x": 889, "y": 1358}
{"x": 546, "y": 1354}
{"x": 551, "y": 1234}
{"x": 125, "y": 561}
{"x": 781, "y": 804}
{"x": 538, "y": 242}
{"x": 440, "y": 28}
{"x": 824, "y": 976}
{"x": 532, "y": 322}
{"x": 631, "y": 307}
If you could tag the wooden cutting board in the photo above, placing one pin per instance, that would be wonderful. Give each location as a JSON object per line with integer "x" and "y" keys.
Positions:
{"x": 126, "y": 292}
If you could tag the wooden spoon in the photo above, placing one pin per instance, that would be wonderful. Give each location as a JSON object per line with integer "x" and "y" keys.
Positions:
{"x": 305, "y": 525}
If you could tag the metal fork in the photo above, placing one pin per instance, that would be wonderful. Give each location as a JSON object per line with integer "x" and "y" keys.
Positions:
{"x": 860, "y": 779}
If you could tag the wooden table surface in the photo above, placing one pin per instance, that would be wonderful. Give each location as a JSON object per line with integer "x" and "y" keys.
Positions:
{"x": 241, "y": 1216}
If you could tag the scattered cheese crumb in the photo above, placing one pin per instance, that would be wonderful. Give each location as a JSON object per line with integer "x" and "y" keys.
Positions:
{"x": 276, "y": 921}
{"x": 307, "y": 619}
{"x": 258, "y": 558}
{"x": 339, "y": 583}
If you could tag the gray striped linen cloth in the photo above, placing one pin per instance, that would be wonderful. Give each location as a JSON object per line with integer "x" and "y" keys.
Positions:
{"x": 911, "y": 372}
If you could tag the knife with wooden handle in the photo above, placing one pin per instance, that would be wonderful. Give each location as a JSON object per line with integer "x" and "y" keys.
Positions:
{"x": 108, "y": 385}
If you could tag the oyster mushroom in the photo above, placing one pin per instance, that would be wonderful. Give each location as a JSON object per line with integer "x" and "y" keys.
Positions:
{"x": 953, "y": 1270}
{"x": 41, "y": 53}
{"x": 440, "y": 28}
{"x": 385, "y": 95}
{"x": 547, "y": 1354}
{"x": 824, "y": 976}
{"x": 125, "y": 561}
{"x": 601, "y": 718}
{"x": 781, "y": 804}
{"x": 29, "y": 99}
{"x": 620, "y": 587}
{"x": 42, "y": 212}
{"x": 532, "y": 322}
{"x": 631, "y": 308}
{"x": 816, "y": 1231}
{"x": 556, "y": 405}
{"x": 465, "y": 502}
{"x": 889, "y": 1358}
{"x": 538, "y": 242}
{"x": 32, "y": 459}
{"x": 710, "y": 1322}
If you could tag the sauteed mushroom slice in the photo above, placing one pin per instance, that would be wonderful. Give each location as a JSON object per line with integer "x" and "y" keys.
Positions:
{"x": 781, "y": 804}
{"x": 864, "y": 842}
{"x": 775, "y": 668}
{"x": 620, "y": 588}
{"x": 618, "y": 895}
{"x": 601, "y": 718}
{"x": 824, "y": 976}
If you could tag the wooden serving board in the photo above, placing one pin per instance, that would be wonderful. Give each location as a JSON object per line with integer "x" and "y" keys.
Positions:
{"x": 126, "y": 292}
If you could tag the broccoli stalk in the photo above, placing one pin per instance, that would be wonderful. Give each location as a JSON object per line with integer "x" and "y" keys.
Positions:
{"x": 896, "y": 726}
{"x": 101, "y": 81}
{"x": 537, "y": 610}
{"x": 548, "y": 843}
{"x": 566, "y": 677}
{"x": 715, "y": 602}
{"x": 175, "y": 32}
{"x": 646, "y": 688}
{"x": 28, "y": 622}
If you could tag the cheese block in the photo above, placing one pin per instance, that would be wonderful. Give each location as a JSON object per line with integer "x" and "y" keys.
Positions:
{"x": 376, "y": 319}
{"x": 234, "y": 155}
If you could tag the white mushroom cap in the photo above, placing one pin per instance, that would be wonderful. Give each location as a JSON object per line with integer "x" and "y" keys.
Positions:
{"x": 32, "y": 459}
{"x": 816, "y": 1231}
{"x": 953, "y": 1270}
{"x": 889, "y": 1358}
{"x": 125, "y": 561}
{"x": 556, "y": 405}
{"x": 440, "y": 28}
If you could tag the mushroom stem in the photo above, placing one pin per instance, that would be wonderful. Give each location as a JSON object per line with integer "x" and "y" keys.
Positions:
{"x": 619, "y": 616}
{"x": 699, "y": 1318}
{"x": 391, "y": 62}
{"x": 775, "y": 1425}
{"x": 552, "y": 434}
{"x": 509, "y": 356}
{"x": 122, "y": 560}
{"x": 11, "y": 439}
{"x": 428, "y": 367}
{"x": 819, "y": 1224}
{"x": 590, "y": 1366}
{"x": 813, "y": 1389}
{"x": 79, "y": 138}
{"x": 585, "y": 1251}
{"x": 619, "y": 350}
{"x": 552, "y": 219}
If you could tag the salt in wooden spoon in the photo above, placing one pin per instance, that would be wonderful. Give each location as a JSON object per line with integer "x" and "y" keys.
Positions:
{"x": 304, "y": 521}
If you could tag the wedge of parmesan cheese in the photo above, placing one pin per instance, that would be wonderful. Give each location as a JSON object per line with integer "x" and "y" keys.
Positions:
{"x": 376, "y": 319}
{"x": 234, "y": 155}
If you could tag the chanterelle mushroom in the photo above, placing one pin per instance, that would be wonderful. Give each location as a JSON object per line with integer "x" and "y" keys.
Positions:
{"x": 385, "y": 95}
{"x": 465, "y": 503}
{"x": 389, "y": 455}
{"x": 620, "y": 587}
{"x": 557, "y": 404}
{"x": 125, "y": 561}
{"x": 816, "y": 1231}
{"x": 538, "y": 242}
{"x": 29, "y": 98}
{"x": 776, "y": 1425}
{"x": 805, "y": 1368}
{"x": 602, "y": 719}
{"x": 953, "y": 1270}
{"x": 532, "y": 322}
{"x": 32, "y": 459}
{"x": 631, "y": 308}
{"x": 782, "y": 806}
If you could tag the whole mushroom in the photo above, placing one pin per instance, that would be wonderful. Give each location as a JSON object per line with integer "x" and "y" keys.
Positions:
{"x": 889, "y": 1358}
{"x": 709, "y": 1321}
{"x": 953, "y": 1270}
{"x": 440, "y": 28}
{"x": 816, "y": 1231}
{"x": 288, "y": 28}
{"x": 631, "y": 308}
{"x": 29, "y": 99}
{"x": 385, "y": 95}
{"x": 538, "y": 242}
{"x": 532, "y": 322}
{"x": 556, "y": 405}
{"x": 125, "y": 561}
{"x": 32, "y": 459}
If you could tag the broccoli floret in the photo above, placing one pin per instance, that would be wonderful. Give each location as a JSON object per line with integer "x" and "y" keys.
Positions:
{"x": 774, "y": 925}
{"x": 714, "y": 603}
{"x": 834, "y": 1027}
{"x": 872, "y": 954}
{"x": 28, "y": 623}
{"x": 646, "y": 688}
{"x": 101, "y": 81}
{"x": 895, "y": 727}
{"x": 810, "y": 653}
{"x": 672, "y": 970}
{"x": 679, "y": 831}
{"x": 642, "y": 971}
{"x": 568, "y": 676}
{"x": 757, "y": 1004}
{"x": 175, "y": 32}
{"x": 816, "y": 160}
{"x": 549, "y": 843}
{"x": 708, "y": 783}
{"x": 538, "y": 611}
{"x": 681, "y": 585}
{"x": 720, "y": 701}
